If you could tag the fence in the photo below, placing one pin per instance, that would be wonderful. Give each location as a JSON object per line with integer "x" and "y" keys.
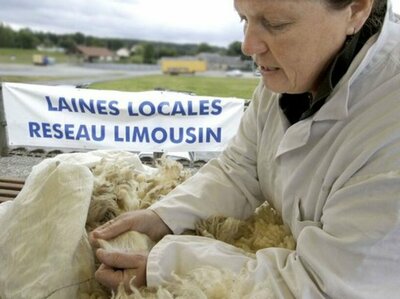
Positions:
{"x": 3, "y": 124}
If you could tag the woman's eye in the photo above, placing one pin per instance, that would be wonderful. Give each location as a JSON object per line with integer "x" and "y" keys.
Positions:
{"x": 274, "y": 26}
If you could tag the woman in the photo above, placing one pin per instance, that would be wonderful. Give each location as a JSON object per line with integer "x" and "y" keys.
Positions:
{"x": 320, "y": 142}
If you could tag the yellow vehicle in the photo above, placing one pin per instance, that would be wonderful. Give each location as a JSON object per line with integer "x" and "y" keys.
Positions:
{"x": 176, "y": 66}
{"x": 39, "y": 59}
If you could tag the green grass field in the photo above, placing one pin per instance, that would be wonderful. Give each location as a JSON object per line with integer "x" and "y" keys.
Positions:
{"x": 23, "y": 56}
{"x": 208, "y": 86}
{"x": 199, "y": 85}
{"x": 24, "y": 79}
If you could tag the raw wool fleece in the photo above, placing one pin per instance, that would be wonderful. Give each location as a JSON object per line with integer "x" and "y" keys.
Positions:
{"x": 263, "y": 229}
{"x": 117, "y": 189}
{"x": 120, "y": 187}
{"x": 205, "y": 282}
{"x": 121, "y": 183}
{"x": 210, "y": 282}
{"x": 44, "y": 245}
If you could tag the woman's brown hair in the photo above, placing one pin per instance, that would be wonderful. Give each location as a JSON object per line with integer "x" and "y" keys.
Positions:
{"x": 375, "y": 19}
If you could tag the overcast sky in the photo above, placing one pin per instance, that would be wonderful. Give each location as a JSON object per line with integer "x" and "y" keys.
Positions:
{"x": 180, "y": 21}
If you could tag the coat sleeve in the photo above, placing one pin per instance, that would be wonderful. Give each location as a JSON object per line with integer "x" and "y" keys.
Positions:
{"x": 227, "y": 185}
{"x": 352, "y": 251}
{"x": 353, "y": 254}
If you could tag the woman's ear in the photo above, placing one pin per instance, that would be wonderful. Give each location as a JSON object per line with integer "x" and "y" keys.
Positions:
{"x": 360, "y": 11}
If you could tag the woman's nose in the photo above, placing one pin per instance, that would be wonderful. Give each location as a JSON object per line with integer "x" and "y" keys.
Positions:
{"x": 252, "y": 42}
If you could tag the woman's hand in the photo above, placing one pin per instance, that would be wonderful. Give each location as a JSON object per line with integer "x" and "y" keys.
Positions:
{"x": 121, "y": 267}
{"x": 117, "y": 266}
{"x": 143, "y": 221}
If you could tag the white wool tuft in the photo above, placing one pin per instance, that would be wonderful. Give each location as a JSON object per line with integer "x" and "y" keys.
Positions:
{"x": 120, "y": 187}
{"x": 264, "y": 229}
{"x": 128, "y": 242}
{"x": 204, "y": 283}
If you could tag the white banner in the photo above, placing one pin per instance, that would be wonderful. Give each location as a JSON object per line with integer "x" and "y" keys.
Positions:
{"x": 68, "y": 117}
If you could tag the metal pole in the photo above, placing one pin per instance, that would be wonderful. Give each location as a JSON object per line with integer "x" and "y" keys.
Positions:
{"x": 3, "y": 124}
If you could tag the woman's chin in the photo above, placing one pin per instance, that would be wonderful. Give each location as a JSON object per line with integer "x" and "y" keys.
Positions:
{"x": 282, "y": 86}
{"x": 275, "y": 87}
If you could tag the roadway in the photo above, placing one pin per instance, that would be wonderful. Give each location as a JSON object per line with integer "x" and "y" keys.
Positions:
{"x": 66, "y": 74}
{"x": 69, "y": 74}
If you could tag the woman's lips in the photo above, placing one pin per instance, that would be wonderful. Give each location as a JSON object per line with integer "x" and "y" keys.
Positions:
{"x": 269, "y": 68}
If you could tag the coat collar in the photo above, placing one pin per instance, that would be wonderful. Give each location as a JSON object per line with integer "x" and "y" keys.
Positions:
{"x": 337, "y": 108}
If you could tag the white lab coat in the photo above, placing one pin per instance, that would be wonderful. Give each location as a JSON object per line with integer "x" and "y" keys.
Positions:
{"x": 335, "y": 178}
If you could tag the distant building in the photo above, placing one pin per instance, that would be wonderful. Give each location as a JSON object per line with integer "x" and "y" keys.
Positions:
{"x": 182, "y": 65}
{"x": 123, "y": 53}
{"x": 93, "y": 54}
{"x": 216, "y": 61}
{"x": 43, "y": 48}
{"x": 203, "y": 62}
{"x": 134, "y": 49}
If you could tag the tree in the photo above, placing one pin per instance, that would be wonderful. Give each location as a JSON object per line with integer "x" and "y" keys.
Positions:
{"x": 204, "y": 48}
{"x": 68, "y": 43}
{"x": 115, "y": 44}
{"x": 26, "y": 39}
{"x": 48, "y": 39}
{"x": 92, "y": 41}
{"x": 148, "y": 53}
{"x": 235, "y": 49}
{"x": 165, "y": 51}
{"x": 7, "y": 37}
{"x": 79, "y": 38}
{"x": 54, "y": 38}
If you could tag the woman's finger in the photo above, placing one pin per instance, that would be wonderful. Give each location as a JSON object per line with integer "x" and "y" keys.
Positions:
{"x": 109, "y": 277}
{"x": 112, "y": 278}
{"x": 122, "y": 260}
{"x": 111, "y": 229}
